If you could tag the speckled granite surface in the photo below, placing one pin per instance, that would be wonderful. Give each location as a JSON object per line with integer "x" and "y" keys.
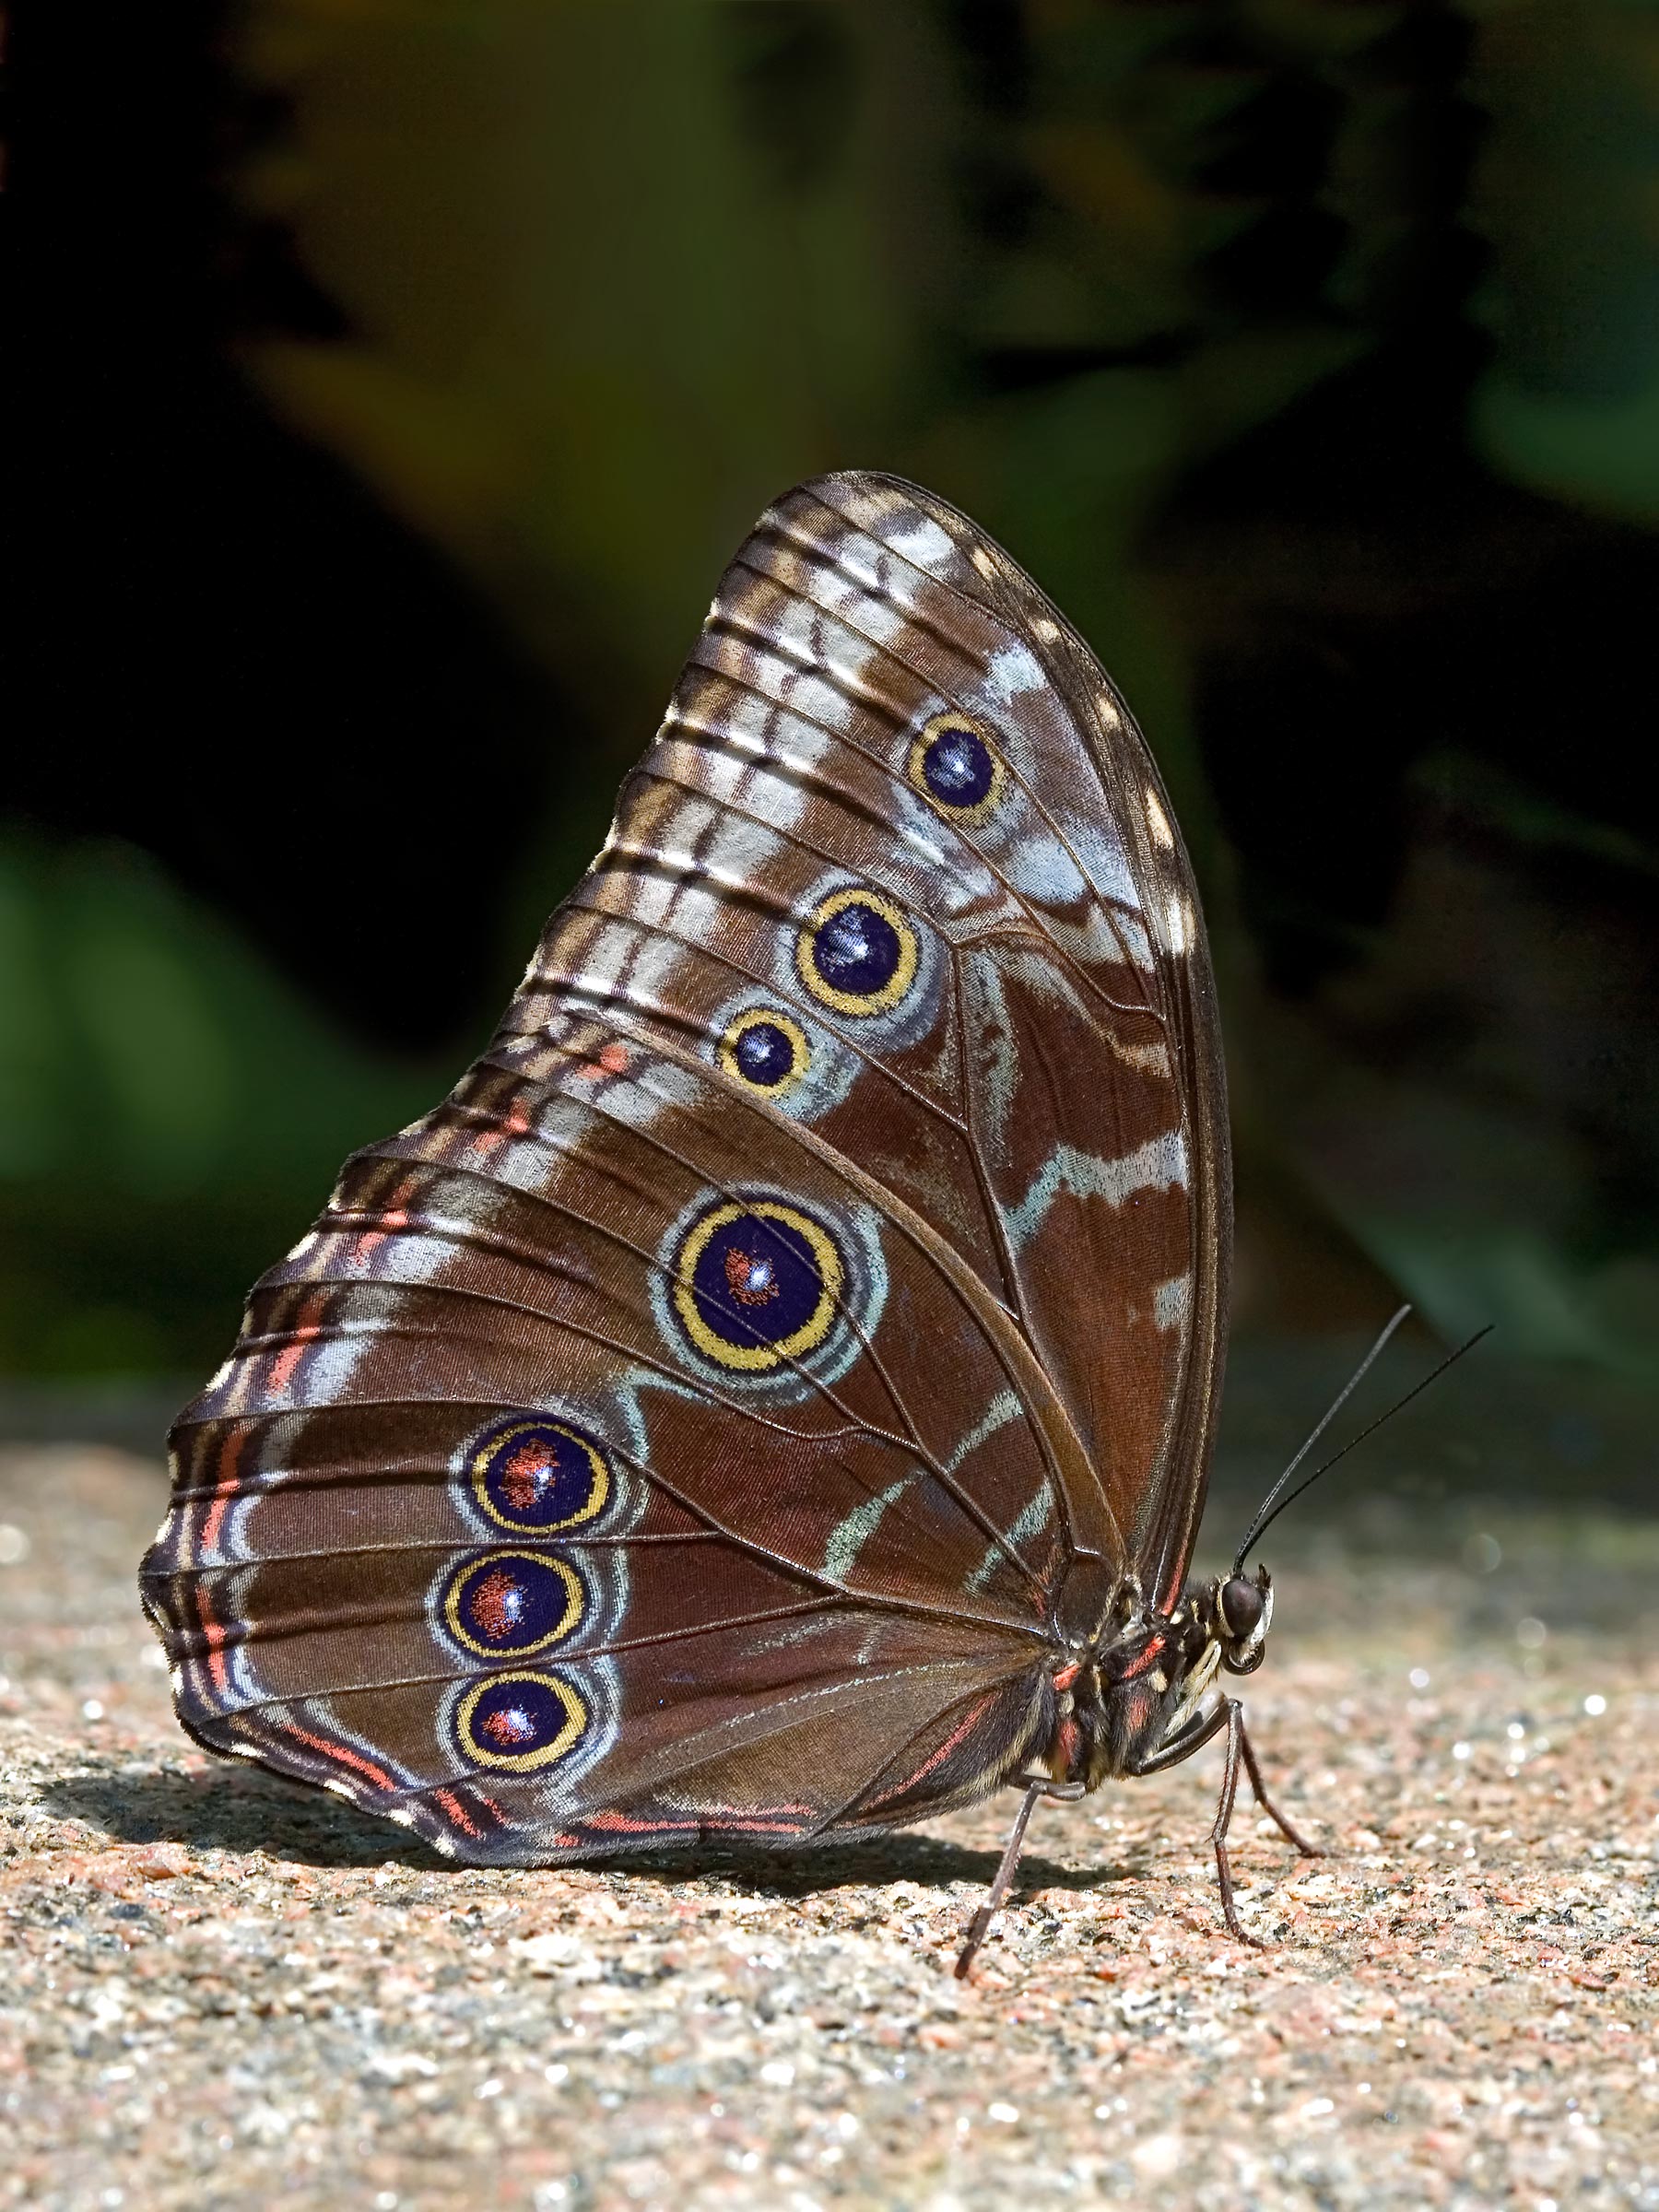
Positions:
{"x": 220, "y": 1991}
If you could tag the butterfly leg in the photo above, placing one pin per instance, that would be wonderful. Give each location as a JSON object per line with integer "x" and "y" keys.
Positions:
{"x": 1229, "y": 1714}
{"x": 1235, "y": 1743}
{"x": 979, "y": 1928}
{"x": 1309, "y": 1850}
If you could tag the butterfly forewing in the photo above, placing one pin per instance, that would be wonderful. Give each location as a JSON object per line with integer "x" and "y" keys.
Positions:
{"x": 710, "y": 1417}
{"x": 882, "y": 711}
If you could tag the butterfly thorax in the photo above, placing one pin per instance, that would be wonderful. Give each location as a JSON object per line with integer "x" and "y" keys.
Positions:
{"x": 1133, "y": 1689}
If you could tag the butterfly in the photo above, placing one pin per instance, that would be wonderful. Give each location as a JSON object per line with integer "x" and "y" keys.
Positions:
{"x": 771, "y": 1399}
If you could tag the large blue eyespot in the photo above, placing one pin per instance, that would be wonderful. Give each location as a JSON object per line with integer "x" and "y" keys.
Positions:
{"x": 757, "y": 1283}
{"x": 513, "y": 1601}
{"x": 857, "y": 953}
{"x": 535, "y": 1476}
{"x": 517, "y": 1722}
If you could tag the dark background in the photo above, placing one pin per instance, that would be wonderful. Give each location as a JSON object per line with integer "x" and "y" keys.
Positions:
{"x": 393, "y": 382}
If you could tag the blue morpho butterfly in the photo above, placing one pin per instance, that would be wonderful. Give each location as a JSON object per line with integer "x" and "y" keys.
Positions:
{"x": 772, "y": 1397}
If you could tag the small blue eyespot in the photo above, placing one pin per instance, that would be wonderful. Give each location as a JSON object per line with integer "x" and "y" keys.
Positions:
{"x": 957, "y": 767}
{"x": 765, "y": 1054}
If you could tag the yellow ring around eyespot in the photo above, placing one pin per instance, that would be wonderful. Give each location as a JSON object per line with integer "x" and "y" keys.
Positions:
{"x": 596, "y": 1501}
{"x": 521, "y": 1762}
{"x": 756, "y": 1358}
{"x": 855, "y": 1002}
{"x": 575, "y": 1603}
{"x": 752, "y": 1018}
{"x": 981, "y": 809}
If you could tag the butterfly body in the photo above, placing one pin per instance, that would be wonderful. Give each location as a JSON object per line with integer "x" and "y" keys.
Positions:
{"x": 772, "y": 1397}
{"x": 1122, "y": 1697}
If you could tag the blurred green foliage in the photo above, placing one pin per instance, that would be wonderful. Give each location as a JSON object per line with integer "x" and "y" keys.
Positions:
{"x": 170, "y": 1113}
{"x": 1566, "y": 195}
{"x": 610, "y": 274}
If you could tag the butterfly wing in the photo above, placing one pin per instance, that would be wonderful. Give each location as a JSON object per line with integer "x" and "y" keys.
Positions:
{"x": 706, "y": 1420}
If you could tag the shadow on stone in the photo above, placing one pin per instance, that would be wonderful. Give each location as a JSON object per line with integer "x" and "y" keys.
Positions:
{"x": 928, "y": 1860}
{"x": 229, "y": 1808}
{"x": 238, "y": 1809}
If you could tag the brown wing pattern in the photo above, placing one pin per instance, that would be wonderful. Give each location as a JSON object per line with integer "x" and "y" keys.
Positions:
{"x": 708, "y": 1418}
{"x": 1111, "y": 815}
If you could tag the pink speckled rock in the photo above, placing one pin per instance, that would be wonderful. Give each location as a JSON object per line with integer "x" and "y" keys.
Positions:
{"x": 222, "y": 1991}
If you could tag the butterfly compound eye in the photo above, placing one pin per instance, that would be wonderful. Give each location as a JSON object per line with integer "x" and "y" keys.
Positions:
{"x": 1240, "y": 1608}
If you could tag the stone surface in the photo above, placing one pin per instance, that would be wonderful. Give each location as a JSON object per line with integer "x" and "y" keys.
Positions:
{"x": 223, "y": 1991}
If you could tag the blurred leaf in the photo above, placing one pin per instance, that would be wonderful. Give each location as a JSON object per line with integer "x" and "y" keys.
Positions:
{"x": 152, "y": 1043}
{"x": 171, "y": 1114}
{"x": 1567, "y": 193}
{"x": 685, "y": 239}
{"x": 31, "y": 1136}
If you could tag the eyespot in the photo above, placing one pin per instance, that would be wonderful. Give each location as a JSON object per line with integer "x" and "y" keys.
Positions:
{"x": 513, "y": 1603}
{"x": 857, "y": 954}
{"x": 766, "y": 1049}
{"x": 757, "y": 1283}
{"x": 956, "y": 769}
{"x": 517, "y": 1722}
{"x": 535, "y": 1477}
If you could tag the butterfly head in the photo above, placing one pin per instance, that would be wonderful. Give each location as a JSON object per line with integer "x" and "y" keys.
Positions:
{"x": 1241, "y": 1613}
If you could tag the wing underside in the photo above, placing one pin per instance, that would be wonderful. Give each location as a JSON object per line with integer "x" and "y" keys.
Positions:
{"x": 696, "y": 1423}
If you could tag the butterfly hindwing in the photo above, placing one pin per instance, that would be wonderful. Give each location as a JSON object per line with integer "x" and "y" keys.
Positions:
{"x": 572, "y": 1430}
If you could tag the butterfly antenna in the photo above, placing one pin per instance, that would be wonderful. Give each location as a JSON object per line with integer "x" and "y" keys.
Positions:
{"x": 1265, "y": 1513}
{"x": 1273, "y": 1505}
